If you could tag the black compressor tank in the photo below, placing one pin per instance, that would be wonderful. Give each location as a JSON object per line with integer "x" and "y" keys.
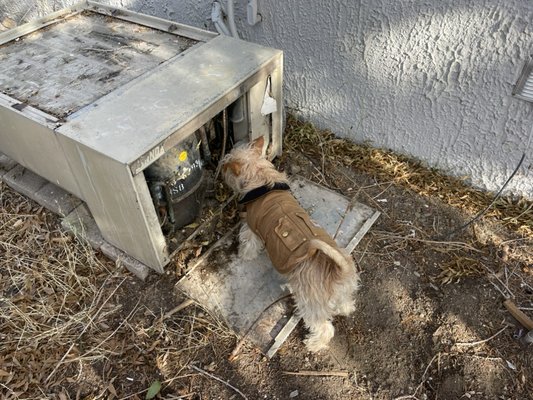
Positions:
{"x": 176, "y": 184}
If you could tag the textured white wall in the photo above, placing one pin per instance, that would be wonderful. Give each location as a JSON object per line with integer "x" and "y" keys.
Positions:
{"x": 431, "y": 79}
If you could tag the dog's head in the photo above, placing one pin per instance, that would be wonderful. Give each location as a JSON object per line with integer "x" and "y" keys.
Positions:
{"x": 246, "y": 168}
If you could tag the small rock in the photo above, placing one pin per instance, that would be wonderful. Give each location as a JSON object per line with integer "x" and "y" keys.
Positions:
{"x": 510, "y": 365}
{"x": 294, "y": 393}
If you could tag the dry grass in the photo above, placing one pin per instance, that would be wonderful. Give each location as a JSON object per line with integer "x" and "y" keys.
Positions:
{"x": 64, "y": 312}
{"x": 460, "y": 267}
{"x": 52, "y": 293}
{"x": 386, "y": 166}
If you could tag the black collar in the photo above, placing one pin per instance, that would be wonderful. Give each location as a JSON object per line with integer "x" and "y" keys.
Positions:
{"x": 254, "y": 194}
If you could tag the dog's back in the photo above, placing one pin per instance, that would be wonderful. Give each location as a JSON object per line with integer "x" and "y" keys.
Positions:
{"x": 289, "y": 234}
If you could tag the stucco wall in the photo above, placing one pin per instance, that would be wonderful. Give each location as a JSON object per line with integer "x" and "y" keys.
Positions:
{"x": 431, "y": 79}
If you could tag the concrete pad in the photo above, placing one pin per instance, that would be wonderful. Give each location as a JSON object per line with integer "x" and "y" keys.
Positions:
{"x": 56, "y": 199}
{"x": 345, "y": 221}
{"x": 242, "y": 293}
{"x": 24, "y": 181}
{"x": 6, "y": 164}
{"x": 81, "y": 223}
{"x": 239, "y": 293}
{"x": 134, "y": 266}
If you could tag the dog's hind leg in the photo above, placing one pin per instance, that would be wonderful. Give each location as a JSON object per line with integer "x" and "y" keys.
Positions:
{"x": 343, "y": 301}
{"x": 313, "y": 302}
{"x": 343, "y": 298}
{"x": 250, "y": 245}
{"x": 320, "y": 334}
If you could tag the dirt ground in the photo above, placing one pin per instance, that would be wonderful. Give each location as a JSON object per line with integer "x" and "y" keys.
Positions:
{"x": 429, "y": 324}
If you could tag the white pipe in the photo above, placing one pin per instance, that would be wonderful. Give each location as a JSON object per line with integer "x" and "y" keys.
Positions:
{"x": 216, "y": 17}
{"x": 222, "y": 29}
{"x": 231, "y": 19}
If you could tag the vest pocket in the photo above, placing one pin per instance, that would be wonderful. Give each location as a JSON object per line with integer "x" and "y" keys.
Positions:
{"x": 307, "y": 224}
{"x": 289, "y": 234}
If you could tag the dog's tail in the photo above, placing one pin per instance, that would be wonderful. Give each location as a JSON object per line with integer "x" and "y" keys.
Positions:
{"x": 342, "y": 260}
{"x": 325, "y": 269}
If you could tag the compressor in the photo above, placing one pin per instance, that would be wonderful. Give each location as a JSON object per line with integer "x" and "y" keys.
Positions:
{"x": 176, "y": 184}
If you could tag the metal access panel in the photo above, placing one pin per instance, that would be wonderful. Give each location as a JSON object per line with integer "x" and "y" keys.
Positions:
{"x": 91, "y": 95}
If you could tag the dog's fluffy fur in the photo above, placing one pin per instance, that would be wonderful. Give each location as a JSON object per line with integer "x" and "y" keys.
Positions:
{"x": 323, "y": 285}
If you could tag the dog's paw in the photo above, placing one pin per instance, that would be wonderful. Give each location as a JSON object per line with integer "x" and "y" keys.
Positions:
{"x": 315, "y": 344}
{"x": 319, "y": 337}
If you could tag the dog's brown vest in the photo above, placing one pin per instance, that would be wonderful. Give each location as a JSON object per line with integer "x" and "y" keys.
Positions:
{"x": 285, "y": 228}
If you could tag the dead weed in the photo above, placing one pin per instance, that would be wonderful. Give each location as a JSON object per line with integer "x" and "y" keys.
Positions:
{"x": 387, "y": 166}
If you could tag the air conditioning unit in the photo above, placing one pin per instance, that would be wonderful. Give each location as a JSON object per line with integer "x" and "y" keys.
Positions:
{"x": 116, "y": 108}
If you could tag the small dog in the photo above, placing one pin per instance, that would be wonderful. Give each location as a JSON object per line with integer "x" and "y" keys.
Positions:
{"x": 322, "y": 277}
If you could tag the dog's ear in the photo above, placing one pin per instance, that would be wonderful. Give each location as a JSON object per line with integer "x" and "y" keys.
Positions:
{"x": 233, "y": 166}
{"x": 257, "y": 144}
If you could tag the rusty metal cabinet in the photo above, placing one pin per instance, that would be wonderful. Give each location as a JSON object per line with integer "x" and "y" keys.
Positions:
{"x": 92, "y": 95}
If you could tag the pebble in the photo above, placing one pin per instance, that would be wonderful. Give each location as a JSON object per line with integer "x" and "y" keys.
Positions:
{"x": 294, "y": 393}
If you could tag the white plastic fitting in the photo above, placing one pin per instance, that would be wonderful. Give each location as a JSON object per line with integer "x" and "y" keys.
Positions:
{"x": 252, "y": 16}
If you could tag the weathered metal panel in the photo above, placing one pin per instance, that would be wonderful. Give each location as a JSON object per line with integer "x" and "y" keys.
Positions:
{"x": 259, "y": 124}
{"x": 34, "y": 145}
{"x": 137, "y": 121}
{"x": 120, "y": 204}
{"x": 276, "y": 79}
{"x": 40, "y": 23}
{"x": 270, "y": 126}
{"x": 66, "y": 66}
{"x": 154, "y": 22}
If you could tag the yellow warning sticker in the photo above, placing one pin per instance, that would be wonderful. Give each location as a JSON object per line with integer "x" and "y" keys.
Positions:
{"x": 182, "y": 156}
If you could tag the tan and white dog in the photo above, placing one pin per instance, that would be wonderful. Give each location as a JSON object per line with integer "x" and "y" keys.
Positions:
{"x": 322, "y": 277}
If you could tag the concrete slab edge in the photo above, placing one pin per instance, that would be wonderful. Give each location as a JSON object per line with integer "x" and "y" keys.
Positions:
{"x": 6, "y": 164}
